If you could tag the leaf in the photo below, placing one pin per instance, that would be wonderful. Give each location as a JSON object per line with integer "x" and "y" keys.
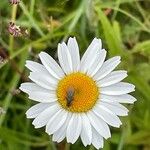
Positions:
{"x": 18, "y": 137}
{"x": 112, "y": 37}
{"x": 143, "y": 47}
{"x": 116, "y": 28}
{"x": 140, "y": 84}
{"x": 141, "y": 137}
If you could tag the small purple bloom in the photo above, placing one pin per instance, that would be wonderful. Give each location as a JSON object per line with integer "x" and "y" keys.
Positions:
{"x": 14, "y": 29}
{"x": 14, "y": 1}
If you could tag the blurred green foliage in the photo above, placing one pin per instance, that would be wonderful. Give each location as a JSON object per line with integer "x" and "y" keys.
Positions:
{"x": 123, "y": 26}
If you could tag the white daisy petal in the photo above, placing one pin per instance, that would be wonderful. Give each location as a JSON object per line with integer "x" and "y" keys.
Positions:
{"x": 51, "y": 65}
{"x": 116, "y": 108}
{"x": 52, "y": 81}
{"x": 74, "y": 128}
{"x": 107, "y": 67}
{"x": 100, "y": 126}
{"x": 74, "y": 52}
{"x": 112, "y": 78}
{"x": 97, "y": 63}
{"x": 43, "y": 80}
{"x": 97, "y": 139}
{"x": 118, "y": 89}
{"x": 86, "y": 133}
{"x": 56, "y": 121}
{"x": 40, "y": 70}
{"x": 60, "y": 134}
{"x": 64, "y": 57}
{"x": 126, "y": 98}
{"x": 28, "y": 87}
{"x": 43, "y": 118}
{"x": 91, "y": 52}
{"x": 38, "y": 93}
{"x": 35, "y": 67}
{"x": 107, "y": 115}
{"x": 35, "y": 110}
{"x": 43, "y": 97}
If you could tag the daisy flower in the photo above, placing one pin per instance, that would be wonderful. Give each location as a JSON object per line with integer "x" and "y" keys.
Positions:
{"x": 77, "y": 98}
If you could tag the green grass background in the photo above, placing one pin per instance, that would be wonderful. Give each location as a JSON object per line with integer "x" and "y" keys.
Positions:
{"x": 123, "y": 26}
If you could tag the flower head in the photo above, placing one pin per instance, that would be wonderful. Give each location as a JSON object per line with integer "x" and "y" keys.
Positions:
{"x": 17, "y": 31}
{"x": 14, "y": 1}
{"x": 14, "y": 30}
{"x": 78, "y": 98}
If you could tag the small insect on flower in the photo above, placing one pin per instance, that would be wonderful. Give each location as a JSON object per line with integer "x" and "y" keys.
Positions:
{"x": 14, "y": 1}
{"x": 78, "y": 98}
{"x": 70, "y": 94}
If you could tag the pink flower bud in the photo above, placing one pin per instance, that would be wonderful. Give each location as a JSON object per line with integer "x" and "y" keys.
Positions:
{"x": 14, "y": 1}
{"x": 14, "y": 29}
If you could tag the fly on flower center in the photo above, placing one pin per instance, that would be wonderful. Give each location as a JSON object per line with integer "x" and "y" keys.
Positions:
{"x": 77, "y": 92}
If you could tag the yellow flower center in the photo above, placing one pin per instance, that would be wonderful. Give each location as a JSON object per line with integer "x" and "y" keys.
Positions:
{"x": 77, "y": 92}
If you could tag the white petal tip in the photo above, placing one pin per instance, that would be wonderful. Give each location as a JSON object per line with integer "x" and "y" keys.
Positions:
{"x": 27, "y": 61}
{"x": 72, "y": 142}
{"x": 125, "y": 114}
{"x": 118, "y": 126}
{"x": 107, "y": 137}
{"x": 104, "y": 51}
{"x": 27, "y": 113}
{"x": 22, "y": 88}
{"x": 134, "y": 100}
{"x": 42, "y": 53}
{"x": 35, "y": 126}
{"x": 48, "y": 132}
{"x": 118, "y": 57}
{"x": 85, "y": 145}
{"x": 71, "y": 38}
{"x": 27, "y": 117}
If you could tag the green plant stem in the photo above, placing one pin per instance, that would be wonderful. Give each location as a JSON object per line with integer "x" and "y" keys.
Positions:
{"x": 76, "y": 18}
{"x": 67, "y": 146}
{"x": 127, "y": 14}
{"x": 13, "y": 19}
{"x": 13, "y": 84}
{"x": 91, "y": 147}
{"x": 115, "y": 12}
{"x": 47, "y": 37}
{"x": 32, "y": 4}
{"x": 121, "y": 143}
{"x": 31, "y": 19}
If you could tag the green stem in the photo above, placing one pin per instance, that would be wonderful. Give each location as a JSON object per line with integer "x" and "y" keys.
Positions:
{"x": 13, "y": 84}
{"x": 144, "y": 28}
{"x": 47, "y": 37}
{"x": 115, "y": 12}
{"x": 91, "y": 147}
{"x": 78, "y": 13}
{"x": 13, "y": 19}
{"x": 27, "y": 130}
{"x": 31, "y": 19}
{"x": 67, "y": 146}
{"x": 121, "y": 143}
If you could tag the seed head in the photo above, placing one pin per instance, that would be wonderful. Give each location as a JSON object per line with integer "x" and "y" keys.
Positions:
{"x": 14, "y": 30}
{"x": 14, "y": 1}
